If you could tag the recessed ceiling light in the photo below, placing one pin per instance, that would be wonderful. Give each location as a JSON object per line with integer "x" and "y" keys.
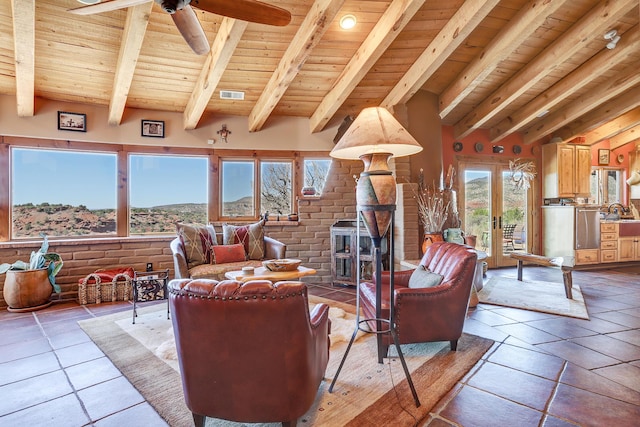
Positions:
{"x": 347, "y": 22}
{"x": 89, "y": 1}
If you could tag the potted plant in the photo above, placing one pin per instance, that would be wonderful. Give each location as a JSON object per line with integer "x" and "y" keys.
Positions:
{"x": 432, "y": 211}
{"x": 28, "y": 286}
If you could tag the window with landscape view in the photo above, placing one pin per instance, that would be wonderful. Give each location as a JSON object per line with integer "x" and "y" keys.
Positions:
{"x": 315, "y": 173}
{"x": 62, "y": 193}
{"x": 164, "y": 190}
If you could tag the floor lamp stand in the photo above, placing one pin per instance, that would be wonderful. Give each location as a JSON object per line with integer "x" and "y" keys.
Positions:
{"x": 378, "y": 319}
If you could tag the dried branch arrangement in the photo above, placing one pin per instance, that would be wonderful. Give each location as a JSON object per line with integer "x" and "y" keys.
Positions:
{"x": 432, "y": 208}
{"x": 522, "y": 173}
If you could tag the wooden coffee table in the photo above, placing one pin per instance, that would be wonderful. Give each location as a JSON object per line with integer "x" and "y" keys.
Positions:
{"x": 262, "y": 273}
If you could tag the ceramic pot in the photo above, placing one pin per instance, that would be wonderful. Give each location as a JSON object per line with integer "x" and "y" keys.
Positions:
{"x": 430, "y": 238}
{"x": 376, "y": 195}
{"x": 27, "y": 290}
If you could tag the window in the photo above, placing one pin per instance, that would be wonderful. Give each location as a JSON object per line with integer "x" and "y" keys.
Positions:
{"x": 606, "y": 185}
{"x": 62, "y": 193}
{"x": 237, "y": 195}
{"x": 275, "y": 180}
{"x": 275, "y": 187}
{"x": 164, "y": 190}
{"x": 315, "y": 173}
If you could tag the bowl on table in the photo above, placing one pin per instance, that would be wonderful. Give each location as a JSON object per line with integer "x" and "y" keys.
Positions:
{"x": 282, "y": 264}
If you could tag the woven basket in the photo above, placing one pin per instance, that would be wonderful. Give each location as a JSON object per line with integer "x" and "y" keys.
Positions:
{"x": 119, "y": 289}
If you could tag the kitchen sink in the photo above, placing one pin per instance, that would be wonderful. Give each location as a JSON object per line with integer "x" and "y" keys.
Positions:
{"x": 629, "y": 227}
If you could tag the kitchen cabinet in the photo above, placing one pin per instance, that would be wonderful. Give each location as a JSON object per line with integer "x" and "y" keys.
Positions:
{"x": 629, "y": 249}
{"x": 608, "y": 242}
{"x": 566, "y": 170}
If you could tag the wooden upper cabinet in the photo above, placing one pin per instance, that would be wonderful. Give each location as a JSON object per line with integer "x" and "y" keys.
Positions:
{"x": 566, "y": 170}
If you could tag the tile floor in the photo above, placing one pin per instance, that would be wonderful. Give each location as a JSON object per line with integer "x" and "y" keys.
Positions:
{"x": 543, "y": 370}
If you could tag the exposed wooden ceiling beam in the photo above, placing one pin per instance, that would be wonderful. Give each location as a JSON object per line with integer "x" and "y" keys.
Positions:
{"x": 309, "y": 34}
{"x": 609, "y": 90}
{"x": 135, "y": 28}
{"x": 24, "y": 45}
{"x": 397, "y": 15}
{"x": 600, "y": 115}
{"x": 614, "y": 127}
{"x": 630, "y": 135}
{"x": 528, "y": 19}
{"x": 590, "y": 26}
{"x": 455, "y": 31}
{"x": 576, "y": 80}
{"x": 222, "y": 48}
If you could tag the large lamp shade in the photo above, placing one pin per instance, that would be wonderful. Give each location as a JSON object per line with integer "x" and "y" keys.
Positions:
{"x": 374, "y": 137}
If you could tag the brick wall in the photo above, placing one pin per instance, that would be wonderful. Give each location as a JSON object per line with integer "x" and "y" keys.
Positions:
{"x": 308, "y": 240}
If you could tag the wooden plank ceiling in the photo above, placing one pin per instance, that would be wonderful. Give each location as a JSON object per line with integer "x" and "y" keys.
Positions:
{"x": 536, "y": 67}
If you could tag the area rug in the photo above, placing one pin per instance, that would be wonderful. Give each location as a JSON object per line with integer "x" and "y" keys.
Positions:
{"x": 546, "y": 297}
{"x": 366, "y": 393}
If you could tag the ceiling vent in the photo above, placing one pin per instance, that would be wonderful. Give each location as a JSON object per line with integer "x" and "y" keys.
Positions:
{"x": 232, "y": 94}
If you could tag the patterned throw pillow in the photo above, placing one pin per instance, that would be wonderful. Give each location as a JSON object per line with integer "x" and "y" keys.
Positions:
{"x": 223, "y": 254}
{"x": 251, "y": 236}
{"x": 423, "y": 278}
{"x": 197, "y": 241}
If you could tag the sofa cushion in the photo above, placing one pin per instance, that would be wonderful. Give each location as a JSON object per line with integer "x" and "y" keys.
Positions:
{"x": 423, "y": 278}
{"x": 216, "y": 271}
{"x": 197, "y": 241}
{"x": 251, "y": 236}
{"x": 223, "y": 254}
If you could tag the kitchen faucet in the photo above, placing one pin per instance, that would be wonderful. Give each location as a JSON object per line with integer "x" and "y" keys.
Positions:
{"x": 622, "y": 208}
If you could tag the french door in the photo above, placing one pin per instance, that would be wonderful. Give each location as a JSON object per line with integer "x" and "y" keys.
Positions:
{"x": 495, "y": 210}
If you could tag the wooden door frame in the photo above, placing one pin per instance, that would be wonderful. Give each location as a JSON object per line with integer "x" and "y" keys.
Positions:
{"x": 533, "y": 222}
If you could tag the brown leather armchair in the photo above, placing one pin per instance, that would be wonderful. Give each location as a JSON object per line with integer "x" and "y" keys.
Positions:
{"x": 248, "y": 352}
{"x": 426, "y": 314}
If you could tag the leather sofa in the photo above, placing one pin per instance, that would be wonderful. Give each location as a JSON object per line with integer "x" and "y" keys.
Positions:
{"x": 248, "y": 352}
{"x": 273, "y": 249}
{"x": 427, "y": 314}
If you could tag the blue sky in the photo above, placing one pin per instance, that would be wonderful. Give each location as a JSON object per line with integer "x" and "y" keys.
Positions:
{"x": 71, "y": 178}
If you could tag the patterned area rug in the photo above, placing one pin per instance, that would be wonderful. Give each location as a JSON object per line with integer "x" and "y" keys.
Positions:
{"x": 533, "y": 295}
{"x": 366, "y": 393}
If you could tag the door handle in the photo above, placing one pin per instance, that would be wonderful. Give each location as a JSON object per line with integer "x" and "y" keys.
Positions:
{"x": 494, "y": 222}
{"x": 500, "y": 222}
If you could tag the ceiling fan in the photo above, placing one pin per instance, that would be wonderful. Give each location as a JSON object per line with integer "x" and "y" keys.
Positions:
{"x": 186, "y": 20}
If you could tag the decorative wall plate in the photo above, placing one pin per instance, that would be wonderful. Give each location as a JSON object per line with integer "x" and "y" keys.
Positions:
{"x": 517, "y": 149}
{"x": 457, "y": 146}
{"x": 620, "y": 158}
{"x": 479, "y": 147}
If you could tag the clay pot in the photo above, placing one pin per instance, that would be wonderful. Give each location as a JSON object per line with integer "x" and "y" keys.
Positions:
{"x": 27, "y": 290}
{"x": 376, "y": 195}
{"x": 429, "y": 239}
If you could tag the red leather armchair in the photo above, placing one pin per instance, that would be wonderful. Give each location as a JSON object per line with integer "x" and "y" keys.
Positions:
{"x": 426, "y": 314}
{"x": 248, "y": 352}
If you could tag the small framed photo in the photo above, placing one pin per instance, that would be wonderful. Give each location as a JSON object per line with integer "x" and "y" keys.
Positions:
{"x": 153, "y": 128}
{"x": 603, "y": 156}
{"x": 72, "y": 121}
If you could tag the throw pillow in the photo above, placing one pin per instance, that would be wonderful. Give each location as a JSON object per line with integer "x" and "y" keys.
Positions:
{"x": 223, "y": 254}
{"x": 423, "y": 278}
{"x": 197, "y": 241}
{"x": 251, "y": 236}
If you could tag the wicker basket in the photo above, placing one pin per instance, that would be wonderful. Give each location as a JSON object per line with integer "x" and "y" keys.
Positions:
{"x": 119, "y": 289}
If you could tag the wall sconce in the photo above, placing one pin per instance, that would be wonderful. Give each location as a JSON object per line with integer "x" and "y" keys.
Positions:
{"x": 224, "y": 132}
{"x": 613, "y": 36}
{"x": 634, "y": 179}
{"x": 347, "y": 22}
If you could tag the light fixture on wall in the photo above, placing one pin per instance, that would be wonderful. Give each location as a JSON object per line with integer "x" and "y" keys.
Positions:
{"x": 614, "y": 38}
{"x": 347, "y": 22}
{"x": 374, "y": 137}
{"x": 634, "y": 179}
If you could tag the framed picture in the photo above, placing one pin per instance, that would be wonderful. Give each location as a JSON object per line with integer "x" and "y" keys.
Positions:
{"x": 153, "y": 128}
{"x": 72, "y": 121}
{"x": 603, "y": 156}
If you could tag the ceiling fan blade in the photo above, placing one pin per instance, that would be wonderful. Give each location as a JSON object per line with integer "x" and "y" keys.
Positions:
{"x": 190, "y": 28}
{"x": 106, "y": 6}
{"x": 246, "y": 10}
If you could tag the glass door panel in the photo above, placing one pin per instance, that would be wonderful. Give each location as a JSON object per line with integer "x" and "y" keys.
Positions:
{"x": 513, "y": 218}
{"x": 477, "y": 207}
